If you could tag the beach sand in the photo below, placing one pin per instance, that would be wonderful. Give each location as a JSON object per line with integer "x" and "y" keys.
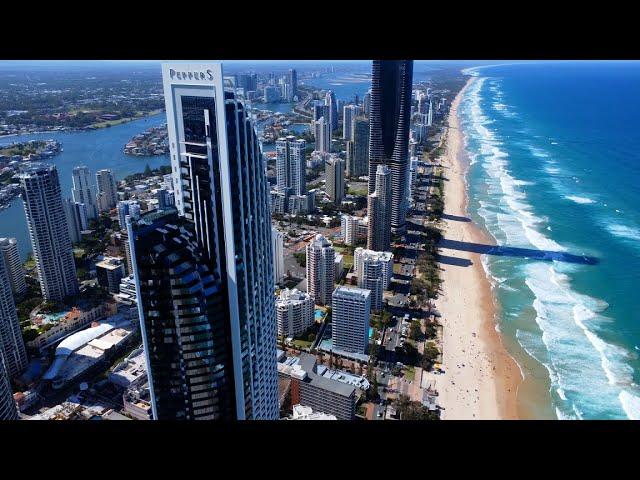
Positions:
{"x": 481, "y": 379}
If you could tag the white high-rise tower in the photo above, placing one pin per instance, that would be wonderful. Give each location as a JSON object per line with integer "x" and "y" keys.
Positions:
{"x": 48, "y": 230}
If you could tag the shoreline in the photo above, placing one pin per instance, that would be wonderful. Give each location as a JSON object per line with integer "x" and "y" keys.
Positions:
{"x": 88, "y": 128}
{"x": 481, "y": 379}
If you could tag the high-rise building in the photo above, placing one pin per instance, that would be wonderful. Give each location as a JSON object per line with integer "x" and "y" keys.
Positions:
{"x": 271, "y": 94}
{"x": 349, "y": 115}
{"x": 76, "y": 215}
{"x": 430, "y": 114}
{"x": 350, "y": 310}
{"x": 291, "y": 165}
{"x": 320, "y": 270}
{"x": 48, "y": 231}
{"x": 320, "y": 110}
{"x": 334, "y": 171}
{"x": 13, "y": 264}
{"x": 358, "y": 154}
{"x": 374, "y": 271}
{"x": 204, "y": 274}
{"x": 389, "y": 130}
{"x": 248, "y": 81}
{"x": 11, "y": 344}
{"x": 165, "y": 198}
{"x": 277, "y": 244}
{"x": 294, "y": 312}
{"x": 107, "y": 191}
{"x": 82, "y": 190}
{"x": 127, "y": 207}
{"x": 379, "y": 229}
{"x": 293, "y": 81}
{"x": 349, "y": 229}
{"x": 322, "y": 131}
{"x": 366, "y": 104}
{"x": 330, "y": 101}
{"x": 8, "y": 407}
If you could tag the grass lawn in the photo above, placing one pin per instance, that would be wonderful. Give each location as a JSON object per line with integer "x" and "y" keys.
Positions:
{"x": 360, "y": 192}
{"x": 302, "y": 343}
{"x": 409, "y": 373}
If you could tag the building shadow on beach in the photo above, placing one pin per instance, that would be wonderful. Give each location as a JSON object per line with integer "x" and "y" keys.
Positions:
{"x": 530, "y": 253}
{"x": 455, "y": 218}
{"x": 455, "y": 261}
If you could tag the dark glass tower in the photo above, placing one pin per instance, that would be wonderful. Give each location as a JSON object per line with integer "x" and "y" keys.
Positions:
{"x": 390, "y": 115}
{"x": 204, "y": 274}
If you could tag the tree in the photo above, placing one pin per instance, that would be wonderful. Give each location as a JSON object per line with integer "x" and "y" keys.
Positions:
{"x": 311, "y": 337}
{"x": 147, "y": 170}
{"x": 429, "y": 356}
{"x": 415, "y": 331}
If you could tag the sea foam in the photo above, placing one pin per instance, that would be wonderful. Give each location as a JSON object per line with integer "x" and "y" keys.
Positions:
{"x": 569, "y": 321}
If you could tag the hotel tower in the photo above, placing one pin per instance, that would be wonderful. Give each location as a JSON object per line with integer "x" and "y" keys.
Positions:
{"x": 204, "y": 269}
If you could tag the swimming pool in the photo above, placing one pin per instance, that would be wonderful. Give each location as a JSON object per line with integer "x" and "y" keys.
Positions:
{"x": 319, "y": 314}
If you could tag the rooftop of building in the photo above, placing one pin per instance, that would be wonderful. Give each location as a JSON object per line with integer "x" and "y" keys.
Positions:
{"x": 131, "y": 370}
{"x": 304, "y": 368}
{"x": 301, "y": 412}
{"x": 81, "y": 350}
{"x": 351, "y": 292}
{"x": 110, "y": 263}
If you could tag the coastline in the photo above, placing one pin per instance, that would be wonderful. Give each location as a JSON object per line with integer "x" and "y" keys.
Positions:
{"x": 88, "y": 128}
{"x": 481, "y": 379}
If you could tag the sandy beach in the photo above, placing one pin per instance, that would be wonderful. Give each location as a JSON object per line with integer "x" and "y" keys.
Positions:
{"x": 481, "y": 379}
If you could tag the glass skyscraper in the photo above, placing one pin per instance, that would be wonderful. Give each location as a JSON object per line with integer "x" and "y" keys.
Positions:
{"x": 389, "y": 117}
{"x": 204, "y": 272}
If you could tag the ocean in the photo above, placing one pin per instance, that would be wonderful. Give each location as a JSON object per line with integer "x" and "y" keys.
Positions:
{"x": 554, "y": 154}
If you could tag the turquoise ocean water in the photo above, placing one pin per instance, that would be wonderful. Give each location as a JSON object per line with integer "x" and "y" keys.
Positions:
{"x": 554, "y": 150}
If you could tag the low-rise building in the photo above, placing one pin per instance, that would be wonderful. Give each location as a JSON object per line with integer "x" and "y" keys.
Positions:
{"x": 132, "y": 371}
{"x": 312, "y": 390}
{"x": 110, "y": 272}
{"x": 137, "y": 402}
{"x": 89, "y": 350}
{"x": 301, "y": 412}
{"x": 68, "y": 322}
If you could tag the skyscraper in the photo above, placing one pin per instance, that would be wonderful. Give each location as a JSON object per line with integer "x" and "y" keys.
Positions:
{"x": 277, "y": 243}
{"x": 330, "y": 101}
{"x": 358, "y": 149}
{"x": 15, "y": 270}
{"x": 48, "y": 231}
{"x": 379, "y": 231}
{"x": 204, "y": 274}
{"x": 374, "y": 271}
{"x": 75, "y": 213}
{"x": 127, "y": 207}
{"x": 83, "y": 192}
{"x": 11, "y": 344}
{"x": 322, "y": 131}
{"x": 8, "y": 407}
{"x": 320, "y": 269}
{"x": 293, "y": 81}
{"x": 334, "y": 172}
{"x": 349, "y": 115}
{"x": 389, "y": 130}
{"x": 366, "y": 104}
{"x": 349, "y": 225}
{"x": 350, "y": 310}
{"x": 320, "y": 110}
{"x": 291, "y": 165}
{"x": 107, "y": 191}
